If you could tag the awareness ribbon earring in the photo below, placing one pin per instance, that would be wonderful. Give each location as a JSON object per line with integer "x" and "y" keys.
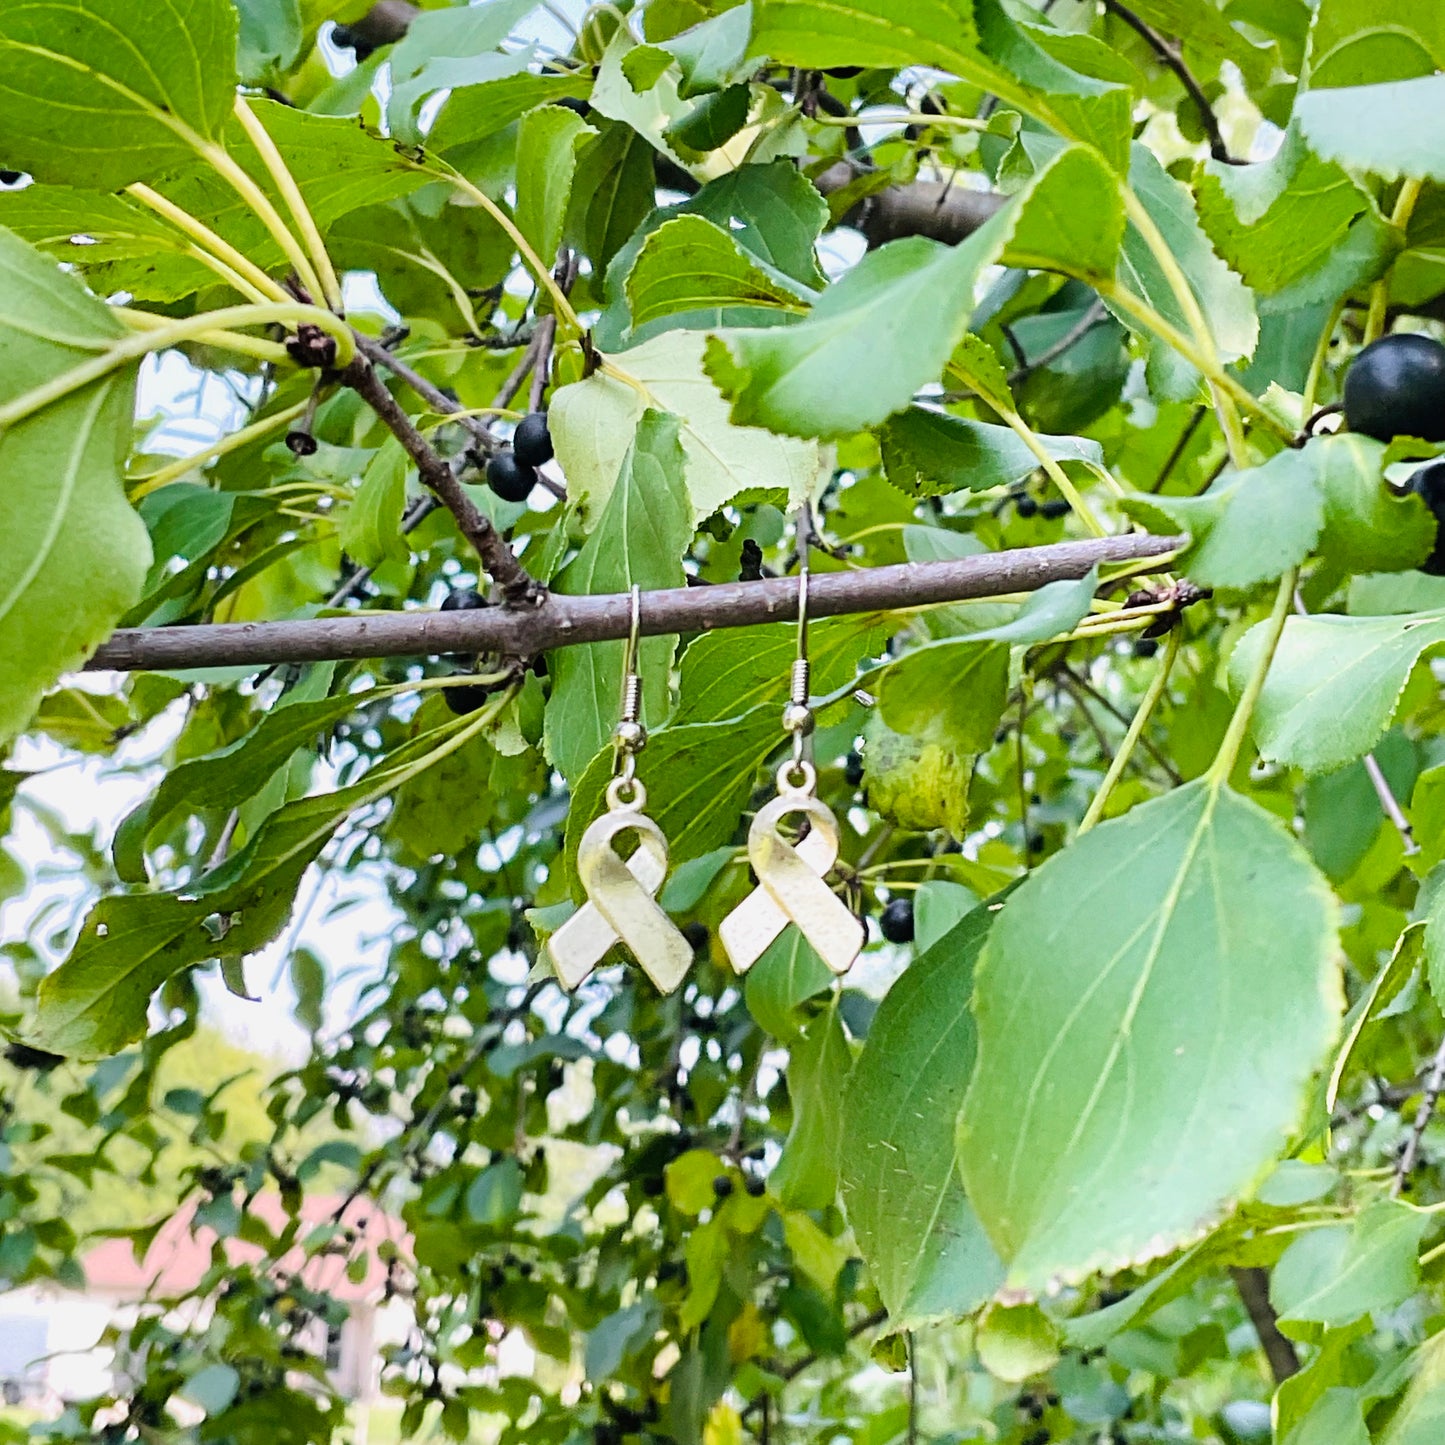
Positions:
{"x": 790, "y": 876}
{"x": 622, "y": 894}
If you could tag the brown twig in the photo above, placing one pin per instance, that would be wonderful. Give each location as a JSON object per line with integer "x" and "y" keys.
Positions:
{"x": 1169, "y": 53}
{"x": 791, "y": 1372}
{"x": 1093, "y": 316}
{"x": 496, "y": 556}
{"x": 1179, "y": 448}
{"x": 1253, "y": 1286}
{"x": 1434, "y": 1084}
{"x": 557, "y": 621}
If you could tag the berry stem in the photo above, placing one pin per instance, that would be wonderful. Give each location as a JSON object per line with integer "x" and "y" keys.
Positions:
{"x": 548, "y": 282}
{"x": 1228, "y": 755}
{"x": 1137, "y": 724}
{"x": 173, "y": 471}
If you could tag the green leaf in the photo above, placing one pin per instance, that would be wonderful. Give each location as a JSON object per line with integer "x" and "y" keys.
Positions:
{"x": 476, "y": 112}
{"x": 444, "y": 49}
{"x": 712, "y": 122}
{"x": 863, "y": 32}
{"x": 547, "y": 149}
{"x": 1353, "y": 42}
{"x": 1393, "y": 129}
{"x": 92, "y": 98}
{"x": 1334, "y": 1275}
{"x": 927, "y": 1253}
{"x": 1015, "y": 1342}
{"x": 73, "y": 555}
{"x": 1275, "y": 221}
{"x": 787, "y": 975}
{"x": 616, "y": 189}
{"x": 1333, "y": 685}
{"x": 639, "y": 540}
{"x": 917, "y": 781}
{"x": 371, "y": 527}
{"x": 1368, "y": 527}
{"x": 806, "y": 1177}
{"x": 269, "y": 38}
{"x": 881, "y": 333}
{"x": 1249, "y": 529}
{"x": 1421, "y": 1417}
{"x": 929, "y": 453}
{"x": 1075, "y": 223}
{"x": 773, "y": 211}
{"x": 95, "y": 1003}
{"x": 953, "y": 689}
{"x": 593, "y": 421}
{"x": 713, "y": 54}
{"x": 690, "y": 265}
{"x": 732, "y": 671}
{"x": 1153, "y": 1045}
{"x": 212, "y": 1387}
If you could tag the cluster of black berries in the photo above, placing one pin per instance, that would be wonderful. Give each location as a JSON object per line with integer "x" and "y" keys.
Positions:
{"x": 1027, "y": 506}
{"x": 512, "y": 475}
{"x": 1396, "y": 387}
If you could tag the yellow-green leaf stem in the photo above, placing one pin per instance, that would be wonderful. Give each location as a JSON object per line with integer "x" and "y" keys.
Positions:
{"x": 534, "y": 262}
{"x": 174, "y": 471}
{"x": 1056, "y": 474}
{"x": 1208, "y": 366}
{"x": 1137, "y": 725}
{"x": 1228, "y": 754}
{"x": 191, "y": 328}
{"x": 1163, "y": 255}
{"x": 235, "y": 341}
{"x": 1380, "y": 291}
{"x": 209, "y": 242}
{"x": 275, "y": 164}
{"x": 260, "y": 203}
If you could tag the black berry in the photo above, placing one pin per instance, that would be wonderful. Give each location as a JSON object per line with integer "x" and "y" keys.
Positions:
{"x": 653, "y": 1186}
{"x": 463, "y": 599}
{"x": 1428, "y": 483}
{"x": 1054, "y": 507}
{"x": 897, "y": 920}
{"x": 696, "y": 935}
{"x": 532, "y": 442}
{"x": 844, "y": 72}
{"x": 1396, "y": 387}
{"x": 509, "y": 479}
{"x": 1145, "y": 647}
{"x": 756, "y": 1187}
{"x": 572, "y": 103}
{"x": 853, "y": 770}
{"x": 302, "y": 443}
{"x": 722, "y": 1186}
{"x": 1025, "y": 506}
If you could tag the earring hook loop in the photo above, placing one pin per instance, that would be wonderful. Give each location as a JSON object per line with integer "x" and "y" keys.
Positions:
{"x": 629, "y": 736}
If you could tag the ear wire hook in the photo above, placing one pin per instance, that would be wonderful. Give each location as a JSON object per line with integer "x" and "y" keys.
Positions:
{"x": 630, "y": 736}
{"x": 797, "y": 715}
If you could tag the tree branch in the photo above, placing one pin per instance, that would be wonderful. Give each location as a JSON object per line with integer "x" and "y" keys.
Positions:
{"x": 566, "y": 621}
{"x": 509, "y": 574}
{"x": 1434, "y": 1086}
{"x": 1253, "y": 1286}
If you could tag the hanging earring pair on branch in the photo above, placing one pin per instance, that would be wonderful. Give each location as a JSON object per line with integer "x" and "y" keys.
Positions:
{"x": 791, "y": 886}
{"x": 622, "y": 894}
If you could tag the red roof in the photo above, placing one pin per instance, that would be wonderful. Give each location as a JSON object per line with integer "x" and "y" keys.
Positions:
{"x": 179, "y": 1257}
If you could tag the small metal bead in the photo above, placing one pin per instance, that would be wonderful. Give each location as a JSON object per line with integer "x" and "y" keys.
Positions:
{"x": 630, "y": 735}
{"x": 798, "y": 718}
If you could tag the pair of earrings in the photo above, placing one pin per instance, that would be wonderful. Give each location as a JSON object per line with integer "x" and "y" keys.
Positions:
{"x": 622, "y": 892}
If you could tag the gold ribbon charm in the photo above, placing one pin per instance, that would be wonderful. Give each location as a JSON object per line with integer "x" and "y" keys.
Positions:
{"x": 790, "y": 882}
{"x": 621, "y": 898}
